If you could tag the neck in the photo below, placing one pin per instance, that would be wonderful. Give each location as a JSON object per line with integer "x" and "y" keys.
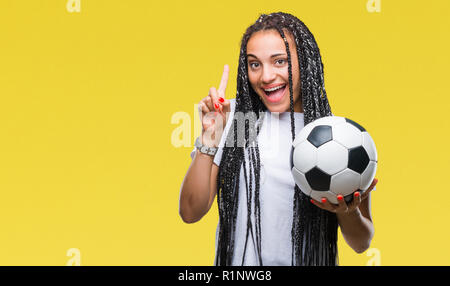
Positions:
{"x": 298, "y": 106}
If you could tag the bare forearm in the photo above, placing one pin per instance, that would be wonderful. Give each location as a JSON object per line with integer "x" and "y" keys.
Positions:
{"x": 356, "y": 229}
{"x": 195, "y": 189}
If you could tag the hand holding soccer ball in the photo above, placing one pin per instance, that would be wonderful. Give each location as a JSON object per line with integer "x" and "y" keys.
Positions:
{"x": 342, "y": 206}
{"x": 334, "y": 161}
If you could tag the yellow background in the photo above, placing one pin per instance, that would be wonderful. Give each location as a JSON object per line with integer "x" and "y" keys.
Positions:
{"x": 86, "y": 102}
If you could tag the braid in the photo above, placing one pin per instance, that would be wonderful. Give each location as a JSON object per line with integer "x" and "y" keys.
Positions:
{"x": 314, "y": 231}
{"x": 291, "y": 93}
{"x": 249, "y": 208}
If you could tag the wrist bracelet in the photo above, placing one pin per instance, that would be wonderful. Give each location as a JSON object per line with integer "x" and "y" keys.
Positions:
{"x": 205, "y": 149}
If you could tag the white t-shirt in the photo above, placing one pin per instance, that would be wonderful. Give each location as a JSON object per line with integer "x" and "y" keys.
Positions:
{"x": 276, "y": 192}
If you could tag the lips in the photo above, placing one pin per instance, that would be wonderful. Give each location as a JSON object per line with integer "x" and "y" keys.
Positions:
{"x": 275, "y": 96}
{"x": 273, "y": 85}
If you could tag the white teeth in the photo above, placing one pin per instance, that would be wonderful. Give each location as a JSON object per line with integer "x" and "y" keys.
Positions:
{"x": 274, "y": 88}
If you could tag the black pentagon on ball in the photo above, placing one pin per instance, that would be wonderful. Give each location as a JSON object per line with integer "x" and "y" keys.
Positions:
{"x": 320, "y": 135}
{"x": 355, "y": 124}
{"x": 318, "y": 180}
{"x": 358, "y": 159}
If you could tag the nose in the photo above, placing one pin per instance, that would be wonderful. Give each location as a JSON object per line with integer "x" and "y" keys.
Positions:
{"x": 268, "y": 75}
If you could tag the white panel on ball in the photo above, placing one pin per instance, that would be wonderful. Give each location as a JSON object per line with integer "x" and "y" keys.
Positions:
{"x": 368, "y": 175}
{"x": 332, "y": 157}
{"x": 330, "y": 120}
{"x": 348, "y": 135}
{"x": 328, "y": 195}
{"x": 305, "y": 156}
{"x": 369, "y": 145}
{"x": 301, "y": 182}
{"x": 345, "y": 182}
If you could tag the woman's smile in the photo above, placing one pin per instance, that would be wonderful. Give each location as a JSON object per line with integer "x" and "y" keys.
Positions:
{"x": 275, "y": 94}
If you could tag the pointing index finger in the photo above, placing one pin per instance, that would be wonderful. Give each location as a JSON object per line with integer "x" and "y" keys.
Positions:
{"x": 224, "y": 80}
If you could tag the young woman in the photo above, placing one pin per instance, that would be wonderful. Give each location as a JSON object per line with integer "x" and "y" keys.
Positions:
{"x": 264, "y": 218}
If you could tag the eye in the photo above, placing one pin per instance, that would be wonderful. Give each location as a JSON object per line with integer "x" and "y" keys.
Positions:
{"x": 281, "y": 61}
{"x": 252, "y": 65}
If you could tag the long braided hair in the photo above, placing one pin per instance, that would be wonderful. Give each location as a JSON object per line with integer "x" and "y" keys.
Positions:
{"x": 314, "y": 231}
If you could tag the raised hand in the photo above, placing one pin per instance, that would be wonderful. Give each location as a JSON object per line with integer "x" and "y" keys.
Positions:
{"x": 214, "y": 110}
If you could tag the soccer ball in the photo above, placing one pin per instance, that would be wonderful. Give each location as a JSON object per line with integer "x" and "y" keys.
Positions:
{"x": 333, "y": 155}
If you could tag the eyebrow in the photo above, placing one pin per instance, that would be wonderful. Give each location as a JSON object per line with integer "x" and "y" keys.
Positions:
{"x": 272, "y": 56}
